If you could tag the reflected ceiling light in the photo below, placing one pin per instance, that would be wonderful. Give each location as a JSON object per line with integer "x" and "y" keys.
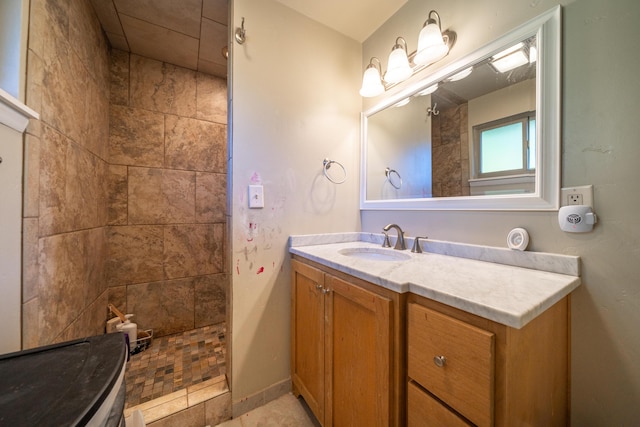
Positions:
{"x": 429, "y": 90}
{"x": 371, "y": 81}
{"x": 509, "y": 59}
{"x": 402, "y": 102}
{"x": 533, "y": 54}
{"x": 432, "y": 45}
{"x": 460, "y": 75}
{"x": 398, "y": 68}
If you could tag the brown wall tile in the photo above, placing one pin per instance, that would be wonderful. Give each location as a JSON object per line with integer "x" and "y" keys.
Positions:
{"x": 211, "y": 299}
{"x": 118, "y": 297}
{"x": 30, "y": 267}
{"x": 95, "y": 136}
{"x": 211, "y": 197}
{"x": 161, "y": 196}
{"x": 31, "y": 184}
{"x": 193, "y": 250}
{"x": 65, "y": 80}
{"x": 117, "y": 191}
{"x": 119, "y": 77}
{"x": 166, "y": 307}
{"x": 30, "y": 329}
{"x": 195, "y": 145}
{"x": 162, "y": 87}
{"x": 53, "y": 177}
{"x": 136, "y": 137}
{"x": 61, "y": 283}
{"x": 212, "y": 98}
{"x": 35, "y": 79}
{"x": 87, "y": 40}
{"x": 134, "y": 254}
{"x": 91, "y": 321}
{"x": 66, "y": 171}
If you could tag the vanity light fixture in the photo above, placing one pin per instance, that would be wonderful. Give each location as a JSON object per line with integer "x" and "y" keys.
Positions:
{"x": 461, "y": 75}
{"x": 398, "y": 68}
{"x": 371, "y": 81}
{"x": 510, "y": 58}
{"x": 432, "y": 44}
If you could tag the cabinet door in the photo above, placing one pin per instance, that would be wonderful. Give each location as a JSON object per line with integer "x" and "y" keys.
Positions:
{"x": 307, "y": 336}
{"x": 358, "y": 356}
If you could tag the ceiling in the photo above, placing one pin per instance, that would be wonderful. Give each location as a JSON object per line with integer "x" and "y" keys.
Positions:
{"x": 346, "y": 17}
{"x": 192, "y": 33}
{"x": 187, "y": 33}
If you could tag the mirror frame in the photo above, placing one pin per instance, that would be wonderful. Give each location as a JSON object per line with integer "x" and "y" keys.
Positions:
{"x": 547, "y": 28}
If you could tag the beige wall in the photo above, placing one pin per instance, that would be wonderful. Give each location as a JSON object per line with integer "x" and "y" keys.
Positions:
{"x": 599, "y": 138}
{"x": 295, "y": 102}
{"x": 167, "y": 194}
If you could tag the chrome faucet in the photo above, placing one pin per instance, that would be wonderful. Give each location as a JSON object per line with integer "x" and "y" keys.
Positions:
{"x": 400, "y": 245}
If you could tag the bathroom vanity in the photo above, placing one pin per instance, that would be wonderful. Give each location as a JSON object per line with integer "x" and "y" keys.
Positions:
{"x": 457, "y": 335}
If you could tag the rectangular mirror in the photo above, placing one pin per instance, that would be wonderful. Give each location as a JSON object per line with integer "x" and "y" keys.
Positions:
{"x": 482, "y": 133}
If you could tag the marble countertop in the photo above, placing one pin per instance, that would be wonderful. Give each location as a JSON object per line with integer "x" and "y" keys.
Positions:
{"x": 508, "y": 287}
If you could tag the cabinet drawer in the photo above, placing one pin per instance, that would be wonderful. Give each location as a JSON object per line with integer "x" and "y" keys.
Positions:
{"x": 425, "y": 411}
{"x": 465, "y": 379}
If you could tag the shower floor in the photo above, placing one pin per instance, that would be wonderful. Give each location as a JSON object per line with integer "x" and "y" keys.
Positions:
{"x": 175, "y": 362}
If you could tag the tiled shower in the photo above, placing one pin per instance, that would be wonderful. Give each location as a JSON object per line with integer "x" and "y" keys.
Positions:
{"x": 125, "y": 185}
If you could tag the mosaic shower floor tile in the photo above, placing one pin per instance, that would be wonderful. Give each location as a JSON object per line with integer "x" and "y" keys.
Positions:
{"x": 175, "y": 362}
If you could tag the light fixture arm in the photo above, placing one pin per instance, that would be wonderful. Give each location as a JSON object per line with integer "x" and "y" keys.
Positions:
{"x": 430, "y": 20}
{"x": 397, "y": 45}
{"x": 372, "y": 65}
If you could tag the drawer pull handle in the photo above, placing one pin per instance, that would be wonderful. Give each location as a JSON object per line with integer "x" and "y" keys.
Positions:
{"x": 439, "y": 361}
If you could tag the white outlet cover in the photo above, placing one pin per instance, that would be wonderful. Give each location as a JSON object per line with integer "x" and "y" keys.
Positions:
{"x": 585, "y": 190}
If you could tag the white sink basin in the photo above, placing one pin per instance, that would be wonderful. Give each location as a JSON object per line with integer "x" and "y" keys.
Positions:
{"x": 375, "y": 254}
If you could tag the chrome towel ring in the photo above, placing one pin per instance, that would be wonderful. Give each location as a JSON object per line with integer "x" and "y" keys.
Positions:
{"x": 326, "y": 165}
{"x": 388, "y": 172}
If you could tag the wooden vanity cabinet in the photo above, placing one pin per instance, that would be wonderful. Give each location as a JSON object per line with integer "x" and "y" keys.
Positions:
{"x": 466, "y": 370}
{"x": 346, "y": 347}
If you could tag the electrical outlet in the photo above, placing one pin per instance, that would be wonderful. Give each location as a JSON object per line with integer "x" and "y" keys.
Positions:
{"x": 582, "y": 195}
{"x": 574, "y": 199}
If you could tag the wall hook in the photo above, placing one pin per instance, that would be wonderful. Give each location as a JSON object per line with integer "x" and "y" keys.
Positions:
{"x": 433, "y": 111}
{"x": 241, "y": 33}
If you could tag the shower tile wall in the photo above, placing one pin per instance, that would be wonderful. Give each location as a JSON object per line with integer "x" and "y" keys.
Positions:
{"x": 167, "y": 194}
{"x": 450, "y": 152}
{"x": 66, "y": 166}
{"x": 93, "y": 232}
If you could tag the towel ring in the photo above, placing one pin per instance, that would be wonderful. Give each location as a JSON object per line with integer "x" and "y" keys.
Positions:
{"x": 326, "y": 164}
{"x": 388, "y": 172}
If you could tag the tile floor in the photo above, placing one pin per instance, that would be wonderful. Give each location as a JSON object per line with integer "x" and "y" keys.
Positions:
{"x": 175, "y": 362}
{"x": 285, "y": 411}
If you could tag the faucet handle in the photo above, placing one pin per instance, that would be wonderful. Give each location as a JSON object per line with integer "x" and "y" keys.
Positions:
{"x": 386, "y": 243}
{"x": 416, "y": 244}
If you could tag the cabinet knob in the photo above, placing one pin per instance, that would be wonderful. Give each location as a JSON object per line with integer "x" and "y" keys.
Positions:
{"x": 318, "y": 287}
{"x": 326, "y": 290}
{"x": 439, "y": 361}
